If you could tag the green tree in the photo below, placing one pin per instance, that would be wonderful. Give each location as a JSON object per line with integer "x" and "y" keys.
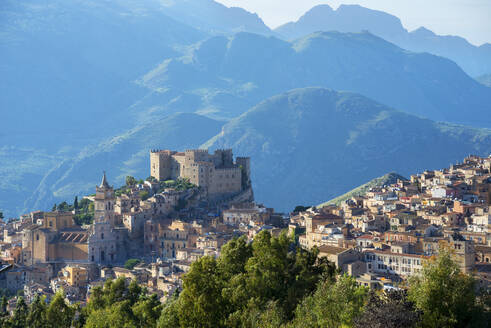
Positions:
{"x": 63, "y": 207}
{"x": 1, "y": 215}
{"x": 147, "y": 311}
{"x": 169, "y": 318}
{"x": 202, "y": 304}
{"x": 18, "y": 320}
{"x": 37, "y": 313}
{"x": 53, "y": 209}
{"x": 300, "y": 208}
{"x": 59, "y": 313}
{"x": 130, "y": 181}
{"x": 445, "y": 295}
{"x": 332, "y": 305}
{"x": 131, "y": 263}
{"x": 75, "y": 203}
{"x": 390, "y": 309}
{"x": 144, "y": 195}
{"x": 114, "y": 316}
{"x": 3, "y": 305}
{"x": 151, "y": 179}
{"x": 256, "y": 284}
{"x": 234, "y": 256}
{"x": 97, "y": 301}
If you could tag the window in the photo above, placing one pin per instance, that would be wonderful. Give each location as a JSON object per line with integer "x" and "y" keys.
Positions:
{"x": 102, "y": 235}
{"x": 50, "y": 223}
{"x": 37, "y": 236}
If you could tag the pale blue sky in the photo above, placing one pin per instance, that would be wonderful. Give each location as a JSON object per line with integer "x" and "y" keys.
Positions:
{"x": 467, "y": 18}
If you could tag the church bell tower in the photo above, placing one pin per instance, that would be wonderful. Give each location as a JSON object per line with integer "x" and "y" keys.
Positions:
{"x": 104, "y": 202}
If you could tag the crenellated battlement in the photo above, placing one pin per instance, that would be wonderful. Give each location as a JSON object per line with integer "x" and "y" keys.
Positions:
{"x": 217, "y": 173}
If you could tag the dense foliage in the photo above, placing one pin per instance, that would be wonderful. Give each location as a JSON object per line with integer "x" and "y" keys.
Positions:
{"x": 84, "y": 210}
{"x": 269, "y": 283}
{"x": 180, "y": 184}
{"x": 131, "y": 263}
{"x": 249, "y": 285}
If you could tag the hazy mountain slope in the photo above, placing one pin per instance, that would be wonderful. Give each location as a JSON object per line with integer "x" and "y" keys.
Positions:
{"x": 225, "y": 76}
{"x": 66, "y": 79}
{"x": 213, "y": 17}
{"x": 67, "y": 67}
{"x": 313, "y": 144}
{"x": 353, "y": 18}
{"x": 126, "y": 154}
{"x": 387, "y": 179}
{"x": 21, "y": 169}
{"x": 485, "y": 79}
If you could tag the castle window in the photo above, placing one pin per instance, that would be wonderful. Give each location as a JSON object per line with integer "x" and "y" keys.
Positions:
{"x": 50, "y": 223}
{"x": 37, "y": 237}
{"x": 102, "y": 235}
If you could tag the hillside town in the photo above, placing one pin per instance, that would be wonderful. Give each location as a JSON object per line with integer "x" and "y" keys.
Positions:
{"x": 194, "y": 202}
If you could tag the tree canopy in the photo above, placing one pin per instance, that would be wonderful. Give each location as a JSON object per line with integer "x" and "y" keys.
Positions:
{"x": 269, "y": 283}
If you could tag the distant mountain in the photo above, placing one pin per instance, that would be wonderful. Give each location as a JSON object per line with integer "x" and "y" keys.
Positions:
{"x": 485, "y": 79}
{"x": 213, "y": 17}
{"x": 67, "y": 67}
{"x": 67, "y": 71}
{"x": 125, "y": 154}
{"x": 354, "y": 18}
{"x": 21, "y": 170}
{"x": 224, "y": 76}
{"x": 313, "y": 144}
{"x": 347, "y": 18}
{"x": 385, "y": 180}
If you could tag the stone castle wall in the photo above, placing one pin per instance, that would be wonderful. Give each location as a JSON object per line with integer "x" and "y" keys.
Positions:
{"x": 217, "y": 173}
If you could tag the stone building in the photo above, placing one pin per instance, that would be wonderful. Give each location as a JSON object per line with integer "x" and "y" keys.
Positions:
{"x": 216, "y": 173}
{"x": 58, "y": 239}
{"x": 246, "y": 213}
{"x": 106, "y": 242}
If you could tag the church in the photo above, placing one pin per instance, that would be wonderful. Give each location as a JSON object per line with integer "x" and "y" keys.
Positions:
{"x": 107, "y": 235}
{"x": 59, "y": 240}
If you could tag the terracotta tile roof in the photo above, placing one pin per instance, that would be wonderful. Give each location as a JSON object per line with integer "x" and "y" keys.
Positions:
{"x": 331, "y": 250}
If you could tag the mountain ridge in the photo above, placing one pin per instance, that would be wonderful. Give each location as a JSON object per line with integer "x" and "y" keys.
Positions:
{"x": 327, "y": 142}
{"x": 475, "y": 60}
{"x": 219, "y": 78}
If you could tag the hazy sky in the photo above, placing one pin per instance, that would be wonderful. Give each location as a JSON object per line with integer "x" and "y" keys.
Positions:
{"x": 467, "y": 18}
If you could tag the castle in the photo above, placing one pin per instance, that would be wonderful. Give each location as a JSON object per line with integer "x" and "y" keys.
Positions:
{"x": 216, "y": 173}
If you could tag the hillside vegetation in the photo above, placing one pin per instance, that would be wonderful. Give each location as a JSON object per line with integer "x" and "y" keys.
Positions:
{"x": 269, "y": 283}
{"x": 385, "y": 180}
{"x": 313, "y": 144}
{"x": 225, "y": 76}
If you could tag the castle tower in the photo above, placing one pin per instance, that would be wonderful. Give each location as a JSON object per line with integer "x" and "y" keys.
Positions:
{"x": 104, "y": 202}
